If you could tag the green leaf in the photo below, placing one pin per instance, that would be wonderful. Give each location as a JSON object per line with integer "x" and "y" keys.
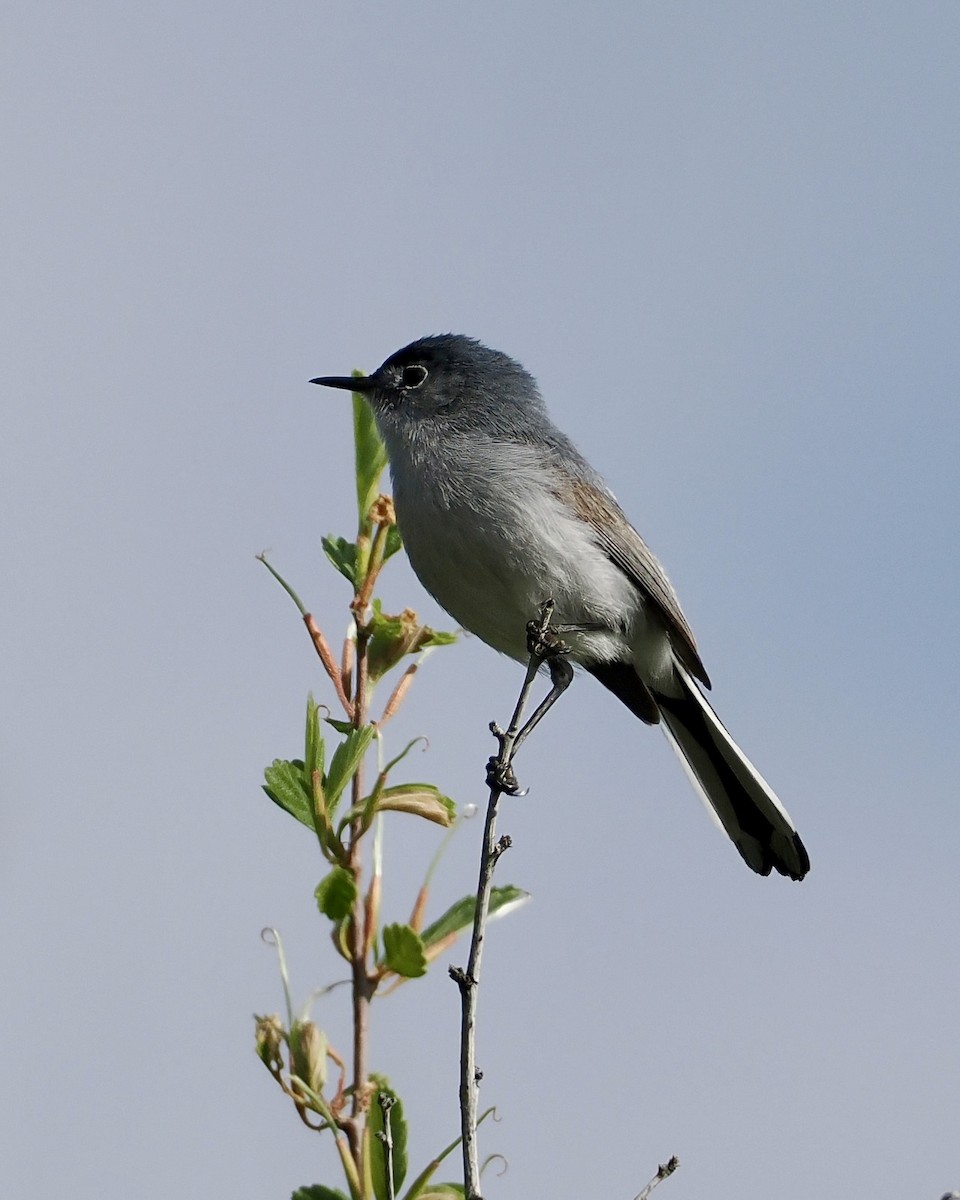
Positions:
{"x": 394, "y": 543}
{"x": 420, "y": 800}
{"x": 339, "y": 726}
{"x": 393, "y": 636}
{"x": 417, "y": 799}
{"x": 343, "y": 555}
{"x": 316, "y": 1191}
{"x": 285, "y": 787}
{"x": 398, "y": 1132}
{"x": 341, "y": 940}
{"x": 336, "y": 893}
{"x": 459, "y": 916}
{"x": 403, "y": 951}
{"x": 384, "y": 622}
{"x": 371, "y": 456}
{"x": 346, "y": 759}
{"x": 314, "y": 752}
{"x": 439, "y": 1191}
{"x": 437, "y": 637}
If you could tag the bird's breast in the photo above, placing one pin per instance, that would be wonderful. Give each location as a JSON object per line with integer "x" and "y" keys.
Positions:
{"x": 491, "y": 538}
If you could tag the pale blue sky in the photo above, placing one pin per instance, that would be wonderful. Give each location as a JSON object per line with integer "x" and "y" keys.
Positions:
{"x": 725, "y": 239}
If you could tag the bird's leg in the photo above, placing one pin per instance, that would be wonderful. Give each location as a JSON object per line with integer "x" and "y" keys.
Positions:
{"x": 545, "y": 647}
{"x": 561, "y": 676}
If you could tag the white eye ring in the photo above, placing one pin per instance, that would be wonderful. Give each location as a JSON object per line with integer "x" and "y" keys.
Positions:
{"x": 413, "y": 376}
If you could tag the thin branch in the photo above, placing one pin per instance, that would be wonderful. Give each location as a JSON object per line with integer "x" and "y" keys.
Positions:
{"x": 664, "y": 1171}
{"x": 319, "y": 641}
{"x": 500, "y": 779}
{"x": 346, "y": 666}
{"x": 362, "y": 983}
{"x": 358, "y": 941}
{"x": 322, "y": 648}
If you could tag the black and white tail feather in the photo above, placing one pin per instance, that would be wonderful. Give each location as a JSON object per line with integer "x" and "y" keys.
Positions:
{"x": 734, "y": 792}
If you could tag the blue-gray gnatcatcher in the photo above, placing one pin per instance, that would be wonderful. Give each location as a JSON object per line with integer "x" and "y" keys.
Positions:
{"x": 499, "y": 511}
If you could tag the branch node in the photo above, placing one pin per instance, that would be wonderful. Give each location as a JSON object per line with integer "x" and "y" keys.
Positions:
{"x": 502, "y": 778}
{"x": 664, "y": 1171}
{"x": 460, "y": 977}
{"x": 505, "y": 842}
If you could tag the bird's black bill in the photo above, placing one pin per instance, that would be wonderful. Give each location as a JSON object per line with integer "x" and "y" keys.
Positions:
{"x": 349, "y": 383}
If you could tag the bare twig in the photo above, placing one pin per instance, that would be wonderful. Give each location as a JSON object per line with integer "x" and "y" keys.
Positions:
{"x": 500, "y": 779}
{"x": 322, "y": 648}
{"x": 663, "y": 1172}
{"x": 316, "y": 636}
{"x": 397, "y": 695}
{"x": 346, "y": 666}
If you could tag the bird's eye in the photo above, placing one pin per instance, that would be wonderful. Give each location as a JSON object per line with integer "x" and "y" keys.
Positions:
{"x": 412, "y": 377}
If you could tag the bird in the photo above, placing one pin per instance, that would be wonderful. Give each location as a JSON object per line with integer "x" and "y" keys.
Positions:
{"x": 499, "y": 511}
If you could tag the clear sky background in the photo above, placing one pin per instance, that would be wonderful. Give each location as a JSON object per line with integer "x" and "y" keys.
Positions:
{"x": 725, "y": 239}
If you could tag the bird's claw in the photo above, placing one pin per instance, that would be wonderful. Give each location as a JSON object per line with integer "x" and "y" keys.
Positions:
{"x": 543, "y": 644}
{"x": 501, "y": 776}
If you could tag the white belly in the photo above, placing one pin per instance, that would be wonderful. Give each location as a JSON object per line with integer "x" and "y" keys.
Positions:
{"x": 492, "y": 554}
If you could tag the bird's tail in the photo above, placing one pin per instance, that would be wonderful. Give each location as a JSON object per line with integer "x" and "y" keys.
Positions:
{"x": 730, "y": 786}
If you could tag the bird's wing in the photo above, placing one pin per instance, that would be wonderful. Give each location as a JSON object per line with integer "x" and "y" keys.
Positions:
{"x": 627, "y": 549}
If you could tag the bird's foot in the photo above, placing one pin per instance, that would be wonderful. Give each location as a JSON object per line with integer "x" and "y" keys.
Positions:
{"x": 500, "y": 775}
{"x": 544, "y": 644}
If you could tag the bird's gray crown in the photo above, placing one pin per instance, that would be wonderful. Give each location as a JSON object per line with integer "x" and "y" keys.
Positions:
{"x": 451, "y": 374}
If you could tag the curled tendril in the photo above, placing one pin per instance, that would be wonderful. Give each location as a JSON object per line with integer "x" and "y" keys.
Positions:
{"x": 271, "y": 937}
{"x": 491, "y": 1158}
